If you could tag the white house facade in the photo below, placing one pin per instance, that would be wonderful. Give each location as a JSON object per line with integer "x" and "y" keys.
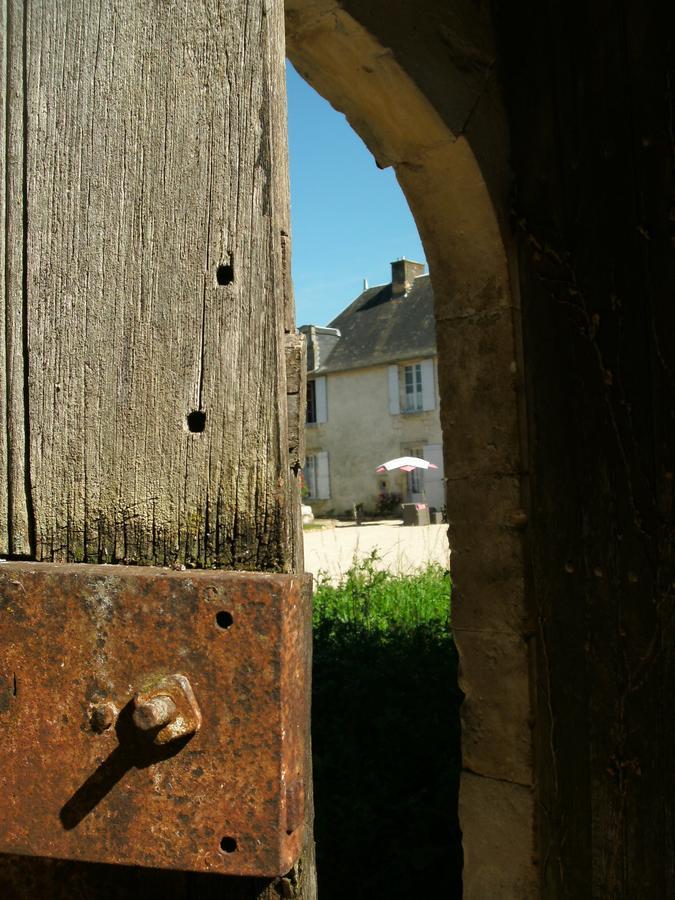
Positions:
{"x": 373, "y": 395}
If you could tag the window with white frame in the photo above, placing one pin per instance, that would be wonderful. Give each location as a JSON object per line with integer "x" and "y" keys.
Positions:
{"x": 412, "y": 387}
{"x": 309, "y": 475}
{"x": 416, "y": 477}
{"x": 317, "y": 476}
{"x": 416, "y": 481}
{"x": 317, "y": 407}
{"x": 412, "y": 392}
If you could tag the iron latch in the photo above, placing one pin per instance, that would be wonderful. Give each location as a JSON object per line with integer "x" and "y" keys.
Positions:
{"x": 153, "y": 717}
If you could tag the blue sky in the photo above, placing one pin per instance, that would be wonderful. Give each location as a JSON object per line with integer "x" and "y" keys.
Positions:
{"x": 349, "y": 219}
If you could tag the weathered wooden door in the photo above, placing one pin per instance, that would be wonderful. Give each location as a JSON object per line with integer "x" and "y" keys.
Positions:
{"x": 147, "y": 313}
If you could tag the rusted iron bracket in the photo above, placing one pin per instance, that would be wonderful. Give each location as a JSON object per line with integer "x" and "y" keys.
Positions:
{"x": 153, "y": 717}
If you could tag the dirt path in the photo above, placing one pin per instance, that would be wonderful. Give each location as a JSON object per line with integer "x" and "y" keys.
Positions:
{"x": 401, "y": 549}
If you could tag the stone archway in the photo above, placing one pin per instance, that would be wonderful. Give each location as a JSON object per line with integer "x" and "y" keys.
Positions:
{"x": 433, "y": 112}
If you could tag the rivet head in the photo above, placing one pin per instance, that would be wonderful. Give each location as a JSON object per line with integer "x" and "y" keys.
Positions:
{"x": 517, "y": 518}
{"x": 103, "y": 717}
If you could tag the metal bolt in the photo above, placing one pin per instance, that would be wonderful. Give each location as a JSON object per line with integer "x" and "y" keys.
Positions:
{"x": 103, "y": 717}
{"x": 154, "y": 713}
{"x": 165, "y": 708}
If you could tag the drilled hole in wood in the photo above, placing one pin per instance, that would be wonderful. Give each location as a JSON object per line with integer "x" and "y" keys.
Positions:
{"x": 224, "y": 619}
{"x": 196, "y": 421}
{"x": 228, "y": 844}
{"x": 225, "y": 274}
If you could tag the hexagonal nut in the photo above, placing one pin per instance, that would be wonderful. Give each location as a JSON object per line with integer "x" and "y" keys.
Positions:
{"x": 167, "y": 709}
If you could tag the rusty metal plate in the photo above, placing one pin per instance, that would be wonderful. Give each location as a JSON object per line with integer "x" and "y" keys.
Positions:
{"x": 152, "y": 717}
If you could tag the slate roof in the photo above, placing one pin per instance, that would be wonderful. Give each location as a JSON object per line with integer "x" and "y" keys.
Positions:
{"x": 378, "y": 328}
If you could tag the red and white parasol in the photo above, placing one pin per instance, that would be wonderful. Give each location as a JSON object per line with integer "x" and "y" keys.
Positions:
{"x": 406, "y": 464}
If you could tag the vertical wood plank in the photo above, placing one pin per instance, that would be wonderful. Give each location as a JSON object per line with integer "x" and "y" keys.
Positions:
{"x": 302, "y": 883}
{"x": 16, "y": 528}
{"x": 154, "y": 285}
{"x": 4, "y": 63}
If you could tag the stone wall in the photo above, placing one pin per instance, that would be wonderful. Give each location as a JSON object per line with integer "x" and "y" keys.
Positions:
{"x": 360, "y": 434}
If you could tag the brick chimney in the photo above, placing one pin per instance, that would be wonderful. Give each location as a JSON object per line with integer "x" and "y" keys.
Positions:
{"x": 403, "y": 273}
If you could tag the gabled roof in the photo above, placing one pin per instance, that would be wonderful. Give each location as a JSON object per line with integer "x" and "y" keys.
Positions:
{"x": 378, "y": 328}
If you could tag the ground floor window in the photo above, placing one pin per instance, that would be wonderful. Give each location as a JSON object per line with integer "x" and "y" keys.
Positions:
{"x": 416, "y": 477}
{"x": 316, "y": 475}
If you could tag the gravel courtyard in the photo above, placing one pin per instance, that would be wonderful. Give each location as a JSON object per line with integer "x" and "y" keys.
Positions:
{"x": 401, "y": 549}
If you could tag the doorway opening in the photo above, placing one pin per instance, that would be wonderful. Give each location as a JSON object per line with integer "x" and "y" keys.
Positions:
{"x": 386, "y": 700}
{"x": 446, "y": 139}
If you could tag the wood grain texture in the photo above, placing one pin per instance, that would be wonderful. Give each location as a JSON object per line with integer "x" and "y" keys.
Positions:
{"x": 4, "y": 62}
{"x": 16, "y": 521}
{"x": 145, "y": 278}
{"x": 593, "y": 208}
{"x": 296, "y": 381}
{"x": 149, "y": 164}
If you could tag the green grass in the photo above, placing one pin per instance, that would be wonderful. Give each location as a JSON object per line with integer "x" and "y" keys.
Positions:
{"x": 378, "y": 601}
{"x": 386, "y": 736}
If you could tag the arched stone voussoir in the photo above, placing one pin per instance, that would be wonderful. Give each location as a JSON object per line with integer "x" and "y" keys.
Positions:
{"x": 419, "y": 88}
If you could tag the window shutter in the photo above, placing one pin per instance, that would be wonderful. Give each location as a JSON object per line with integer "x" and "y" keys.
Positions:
{"x": 428, "y": 388}
{"x": 394, "y": 404}
{"x": 434, "y": 482}
{"x": 433, "y": 453}
{"x": 321, "y": 404}
{"x": 322, "y": 476}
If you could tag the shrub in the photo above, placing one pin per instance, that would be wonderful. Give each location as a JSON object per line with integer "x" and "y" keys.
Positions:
{"x": 386, "y": 735}
{"x": 388, "y": 502}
